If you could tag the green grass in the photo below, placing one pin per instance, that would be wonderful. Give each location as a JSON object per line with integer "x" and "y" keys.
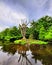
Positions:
{"x": 20, "y": 42}
{"x": 38, "y": 42}
{"x": 29, "y": 41}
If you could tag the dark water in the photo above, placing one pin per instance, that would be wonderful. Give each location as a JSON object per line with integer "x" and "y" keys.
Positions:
{"x": 25, "y": 55}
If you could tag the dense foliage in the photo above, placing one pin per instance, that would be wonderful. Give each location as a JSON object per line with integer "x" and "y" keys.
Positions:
{"x": 42, "y": 29}
{"x": 10, "y": 34}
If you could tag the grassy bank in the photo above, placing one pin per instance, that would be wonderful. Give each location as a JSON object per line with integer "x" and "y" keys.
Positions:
{"x": 23, "y": 42}
{"x": 29, "y": 41}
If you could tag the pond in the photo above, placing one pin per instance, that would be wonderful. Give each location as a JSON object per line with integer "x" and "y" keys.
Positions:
{"x": 25, "y": 55}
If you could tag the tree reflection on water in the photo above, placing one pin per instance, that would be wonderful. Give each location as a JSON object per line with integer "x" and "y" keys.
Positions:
{"x": 42, "y": 54}
{"x": 12, "y": 49}
{"x": 38, "y": 53}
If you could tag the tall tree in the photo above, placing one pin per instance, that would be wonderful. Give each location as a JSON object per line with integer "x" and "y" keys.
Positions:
{"x": 23, "y": 27}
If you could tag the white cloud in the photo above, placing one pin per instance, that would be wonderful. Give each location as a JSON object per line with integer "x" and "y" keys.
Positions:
{"x": 3, "y": 27}
{"x": 10, "y": 17}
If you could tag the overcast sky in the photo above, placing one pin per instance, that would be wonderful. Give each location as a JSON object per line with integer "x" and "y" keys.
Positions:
{"x": 13, "y": 11}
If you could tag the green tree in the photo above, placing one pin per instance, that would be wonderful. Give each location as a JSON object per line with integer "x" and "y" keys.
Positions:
{"x": 49, "y": 34}
{"x": 42, "y": 33}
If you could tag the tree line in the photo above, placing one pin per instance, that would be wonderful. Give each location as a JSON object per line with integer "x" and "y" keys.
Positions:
{"x": 39, "y": 30}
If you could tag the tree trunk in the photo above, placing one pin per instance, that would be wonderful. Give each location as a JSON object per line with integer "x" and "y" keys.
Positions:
{"x": 23, "y": 30}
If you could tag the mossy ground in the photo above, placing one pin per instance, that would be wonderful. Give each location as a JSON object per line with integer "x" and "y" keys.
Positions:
{"x": 29, "y": 41}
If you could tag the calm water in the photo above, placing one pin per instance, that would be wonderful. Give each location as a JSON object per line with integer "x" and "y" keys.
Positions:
{"x": 25, "y": 55}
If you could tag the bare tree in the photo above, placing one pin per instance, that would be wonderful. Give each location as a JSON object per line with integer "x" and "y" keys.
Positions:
{"x": 23, "y": 27}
